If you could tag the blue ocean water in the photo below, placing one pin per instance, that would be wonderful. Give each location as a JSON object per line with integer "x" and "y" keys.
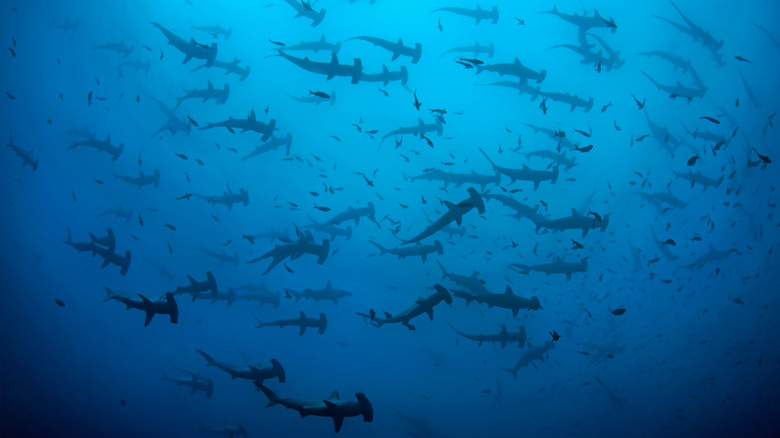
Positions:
{"x": 654, "y": 216}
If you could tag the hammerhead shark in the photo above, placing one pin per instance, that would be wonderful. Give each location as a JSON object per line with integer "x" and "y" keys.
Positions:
{"x": 222, "y": 257}
{"x": 412, "y": 251}
{"x": 454, "y": 213}
{"x": 525, "y": 174}
{"x": 260, "y": 294}
{"x": 302, "y": 322}
{"x": 230, "y": 67}
{"x": 167, "y": 307}
{"x": 477, "y": 14}
{"x": 470, "y": 282}
{"x": 331, "y": 407}
{"x": 305, "y": 9}
{"x": 698, "y": 33}
{"x": 174, "y": 124}
{"x": 521, "y": 210}
{"x": 252, "y": 372}
{"x": 532, "y": 354}
{"x": 476, "y": 49}
{"x": 304, "y": 245}
{"x": 315, "y": 46}
{"x": 25, "y": 155}
{"x": 329, "y": 69}
{"x": 576, "y": 222}
{"x": 249, "y": 124}
{"x": 397, "y": 48}
{"x": 227, "y": 198}
{"x": 102, "y": 146}
{"x": 190, "y": 49}
{"x": 219, "y": 96}
{"x": 271, "y": 144}
{"x": 516, "y": 69}
{"x": 329, "y": 293}
{"x": 458, "y": 178}
{"x": 585, "y": 22}
{"x": 507, "y": 300}
{"x": 354, "y": 214}
{"x": 196, "y": 287}
{"x": 119, "y": 47}
{"x": 215, "y": 30}
{"x": 420, "y": 128}
{"x": 573, "y": 101}
{"x": 141, "y": 180}
{"x": 678, "y": 90}
{"x": 331, "y": 229}
{"x": 402, "y": 75}
{"x": 504, "y": 337}
{"x": 556, "y": 267}
{"x": 422, "y": 305}
{"x": 227, "y": 431}
{"x": 196, "y": 382}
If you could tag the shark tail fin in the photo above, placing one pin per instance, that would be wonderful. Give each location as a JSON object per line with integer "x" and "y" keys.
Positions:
{"x": 381, "y": 248}
{"x": 118, "y": 152}
{"x": 476, "y": 200}
{"x": 554, "y": 175}
{"x": 443, "y": 271}
{"x": 357, "y": 69}
{"x": 511, "y": 370}
{"x": 323, "y": 251}
{"x": 272, "y": 397}
{"x": 417, "y": 53}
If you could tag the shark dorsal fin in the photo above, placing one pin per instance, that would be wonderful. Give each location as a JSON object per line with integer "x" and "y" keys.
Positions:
{"x": 558, "y": 259}
{"x": 334, "y": 396}
{"x": 303, "y": 316}
{"x": 328, "y": 286}
{"x": 252, "y": 116}
{"x": 145, "y": 300}
{"x": 384, "y": 69}
{"x": 449, "y": 205}
{"x": 333, "y": 58}
{"x": 211, "y": 86}
{"x": 508, "y": 290}
{"x": 503, "y": 329}
{"x": 322, "y": 38}
{"x": 575, "y": 213}
{"x": 400, "y": 42}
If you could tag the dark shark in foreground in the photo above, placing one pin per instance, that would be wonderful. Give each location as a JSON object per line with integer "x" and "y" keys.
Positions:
{"x": 190, "y": 49}
{"x": 303, "y": 322}
{"x": 422, "y": 305}
{"x": 331, "y": 407}
{"x": 252, "y": 372}
{"x": 196, "y": 287}
{"x": 119, "y": 47}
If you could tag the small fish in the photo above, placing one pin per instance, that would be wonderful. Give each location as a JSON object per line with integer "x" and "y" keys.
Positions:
{"x": 137, "y": 98}
{"x": 59, "y": 302}
{"x": 12, "y": 51}
{"x": 739, "y": 58}
{"x": 182, "y": 156}
{"x": 669, "y": 242}
{"x": 227, "y": 243}
{"x": 276, "y": 42}
{"x": 619, "y": 311}
{"x": 640, "y": 105}
{"x": 604, "y": 108}
{"x": 738, "y": 301}
{"x": 763, "y": 158}
{"x": 193, "y": 122}
{"x": 250, "y": 239}
{"x": 440, "y": 28}
{"x": 520, "y": 21}
{"x": 197, "y": 160}
{"x": 586, "y": 134}
{"x": 288, "y": 268}
{"x": 171, "y": 227}
{"x": 320, "y": 94}
{"x": 711, "y": 119}
{"x": 98, "y": 181}
{"x": 323, "y": 209}
{"x": 692, "y": 160}
{"x": 577, "y": 245}
{"x": 89, "y": 98}
{"x": 585, "y": 149}
{"x": 642, "y": 137}
{"x": 140, "y": 219}
{"x": 147, "y": 48}
{"x": 417, "y": 104}
{"x": 123, "y": 402}
{"x": 555, "y": 335}
{"x": 170, "y": 249}
{"x": 184, "y": 196}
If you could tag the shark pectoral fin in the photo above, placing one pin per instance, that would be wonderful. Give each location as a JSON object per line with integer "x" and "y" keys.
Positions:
{"x": 430, "y": 313}
{"x": 337, "y": 422}
{"x": 536, "y": 184}
{"x": 424, "y": 257}
{"x": 149, "y": 316}
{"x": 568, "y": 276}
{"x": 105, "y": 263}
{"x": 303, "y": 330}
{"x": 186, "y": 59}
{"x": 459, "y": 220}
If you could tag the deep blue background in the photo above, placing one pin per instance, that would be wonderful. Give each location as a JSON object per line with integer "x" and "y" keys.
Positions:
{"x": 688, "y": 360}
